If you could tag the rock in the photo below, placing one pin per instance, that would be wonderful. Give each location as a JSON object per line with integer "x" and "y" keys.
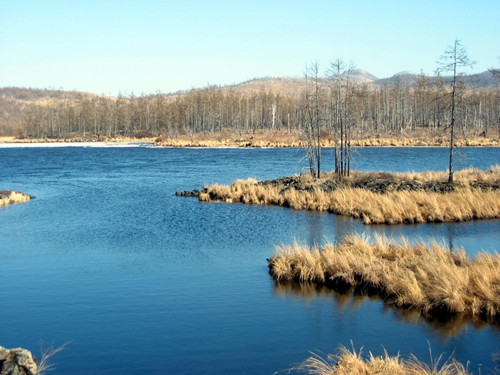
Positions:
{"x": 188, "y": 193}
{"x": 17, "y": 361}
{"x": 9, "y": 197}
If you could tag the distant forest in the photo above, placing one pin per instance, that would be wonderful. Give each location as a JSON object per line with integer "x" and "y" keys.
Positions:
{"x": 395, "y": 106}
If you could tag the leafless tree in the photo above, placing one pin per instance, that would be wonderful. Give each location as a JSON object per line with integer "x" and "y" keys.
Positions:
{"x": 313, "y": 119}
{"x": 341, "y": 106}
{"x": 454, "y": 58}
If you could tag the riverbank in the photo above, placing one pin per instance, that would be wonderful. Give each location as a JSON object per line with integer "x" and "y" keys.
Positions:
{"x": 376, "y": 198}
{"x": 278, "y": 139}
{"x": 430, "y": 279}
{"x": 10, "y": 197}
{"x": 284, "y": 139}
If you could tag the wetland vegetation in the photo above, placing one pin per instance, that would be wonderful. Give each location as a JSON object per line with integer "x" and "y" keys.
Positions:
{"x": 375, "y": 197}
{"x": 430, "y": 279}
{"x": 352, "y": 361}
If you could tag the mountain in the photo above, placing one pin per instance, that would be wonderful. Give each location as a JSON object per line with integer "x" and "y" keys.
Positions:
{"x": 279, "y": 85}
{"x": 290, "y": 86}
{"x": 484, "y": 80}
{"x": 362, "y": 76}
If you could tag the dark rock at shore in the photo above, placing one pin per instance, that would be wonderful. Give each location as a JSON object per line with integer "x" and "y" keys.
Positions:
{"x": 381, "y": 183}
{"x": 189, "y": 193}
{"x": 17, "y": 361}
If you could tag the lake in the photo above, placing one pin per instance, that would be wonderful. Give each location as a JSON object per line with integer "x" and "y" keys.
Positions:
{"x": 140, "y": 281}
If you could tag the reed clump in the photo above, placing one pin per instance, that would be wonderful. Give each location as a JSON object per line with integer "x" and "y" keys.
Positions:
{"x": 430, "y": 279}
{"x": 376, "y": 198}
{"x": 352, "y": 362}
{"x": 10, "y": 197}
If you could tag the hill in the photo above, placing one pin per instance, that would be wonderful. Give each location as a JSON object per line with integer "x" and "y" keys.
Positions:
{"x": 257, "y": 104}
{"x": 483, "y": 80}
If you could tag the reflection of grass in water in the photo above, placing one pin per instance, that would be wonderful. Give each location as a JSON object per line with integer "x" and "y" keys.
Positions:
{"x": 352, "y": 362}
{"x": 350, "y": 300}
{"x": 432, "y": 280}
{"x": 377, "y": 198}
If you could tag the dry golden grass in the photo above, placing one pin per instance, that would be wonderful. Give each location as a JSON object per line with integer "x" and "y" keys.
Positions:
{"x": 352, "y": 362}
{"x": 429, "y": 279}
{"x": 295, "y": 139}
{"x": 279, "y": 138}
{"x": 233, "y": 139}
{"x": 377, "y": 198}
{"x": 425, "y": 141}
{"x": 9, "y": 197}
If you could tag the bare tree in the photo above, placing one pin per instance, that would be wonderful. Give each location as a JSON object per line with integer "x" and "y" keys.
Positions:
{"x": 313, "y": 121}
{"x": 340, "y": 114}
{"x": 454, "y": 58}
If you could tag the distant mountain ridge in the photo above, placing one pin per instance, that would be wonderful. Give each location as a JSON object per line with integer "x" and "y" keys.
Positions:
{"x": 483, "y": 80}
{"x": 281, "y": 85}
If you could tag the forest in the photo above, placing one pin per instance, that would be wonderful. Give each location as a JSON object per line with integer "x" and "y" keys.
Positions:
{"x": 391, "y": 106}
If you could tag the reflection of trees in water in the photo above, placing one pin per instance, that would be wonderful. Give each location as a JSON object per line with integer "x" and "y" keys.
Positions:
{"x": 350, "y": 300}
{"x": 315, "y": 229}
{"x": 344, "y": 226}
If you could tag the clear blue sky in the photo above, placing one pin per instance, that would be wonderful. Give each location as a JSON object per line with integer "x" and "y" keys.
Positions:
{"x": 145, "y": 46}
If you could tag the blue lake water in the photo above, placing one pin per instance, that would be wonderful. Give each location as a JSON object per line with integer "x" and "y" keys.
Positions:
{"x": 141, "y": 281}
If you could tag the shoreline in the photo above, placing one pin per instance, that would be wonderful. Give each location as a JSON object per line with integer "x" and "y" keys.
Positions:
{"x": 374, "y": 197}
{"x": 263, "y": 140}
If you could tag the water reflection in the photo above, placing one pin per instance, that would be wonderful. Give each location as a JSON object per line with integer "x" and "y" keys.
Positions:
{"x": 473, "y": 236}
{"x": 445, "y": 329}
{"x": 344, "y": 226}
{"x": 316, "y": 230}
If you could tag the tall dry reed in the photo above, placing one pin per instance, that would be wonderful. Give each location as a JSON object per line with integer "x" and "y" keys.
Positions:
{"x": 427, "y": 278}
{"x": 352, "y": 362}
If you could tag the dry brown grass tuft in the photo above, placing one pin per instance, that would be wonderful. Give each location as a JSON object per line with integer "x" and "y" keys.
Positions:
{"x": 377, "y": 198}
{"x": 352, "y": 362}
{"x": 45, "y": 364}
{"x": 429, "y": 279}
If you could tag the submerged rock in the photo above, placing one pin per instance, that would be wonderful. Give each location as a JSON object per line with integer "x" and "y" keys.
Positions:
{"x": 17, "y": 361}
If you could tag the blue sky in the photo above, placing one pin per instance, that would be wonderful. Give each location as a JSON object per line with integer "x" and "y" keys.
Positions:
{"x": 146, "y": 46}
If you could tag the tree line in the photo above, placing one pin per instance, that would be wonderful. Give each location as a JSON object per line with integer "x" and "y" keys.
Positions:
{"x": 329, "y": 103}
{"x": 395, "y": 108}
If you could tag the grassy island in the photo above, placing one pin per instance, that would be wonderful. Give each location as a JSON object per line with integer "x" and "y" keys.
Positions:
{"x": 376, "y": 198}
{"x": 9, "y": 197}
{"x": 430, "y": 279}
